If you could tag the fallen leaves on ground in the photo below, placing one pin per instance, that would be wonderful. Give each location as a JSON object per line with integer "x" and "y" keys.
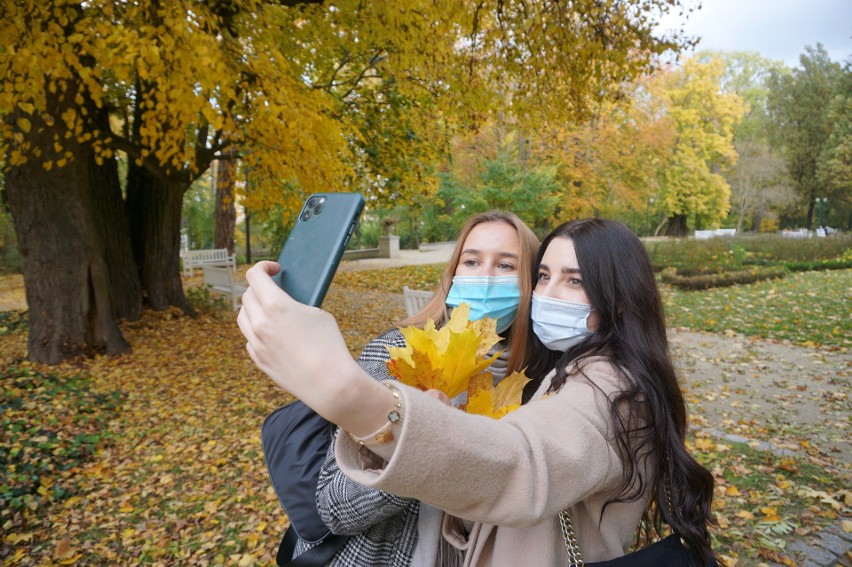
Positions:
{"x": 762, "y": 499}
{"x": 12, "y": 296}
{"x": 176, "y": 476}
{"x": 391, "y": 280}
{"x": 181, "y": 479}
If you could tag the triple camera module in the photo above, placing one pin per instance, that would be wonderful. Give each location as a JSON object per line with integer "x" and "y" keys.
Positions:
{"x": 312, "y": 208}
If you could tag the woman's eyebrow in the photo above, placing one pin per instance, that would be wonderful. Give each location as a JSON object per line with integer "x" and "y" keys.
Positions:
{"x": 567, "y": 270}
{"x": 477, "y": 252}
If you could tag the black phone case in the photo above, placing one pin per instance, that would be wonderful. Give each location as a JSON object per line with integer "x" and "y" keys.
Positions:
{"x": 315, "y": 246}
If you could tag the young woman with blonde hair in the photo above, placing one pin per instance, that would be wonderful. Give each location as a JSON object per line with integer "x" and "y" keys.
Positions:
{"x": 490, "y": 268}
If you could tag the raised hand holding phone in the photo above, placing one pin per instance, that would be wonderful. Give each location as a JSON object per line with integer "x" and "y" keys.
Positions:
{"x": 315, "y": 246}
{"x": 301, "y": 348}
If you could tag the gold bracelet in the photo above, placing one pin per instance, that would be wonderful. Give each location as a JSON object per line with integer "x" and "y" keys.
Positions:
{"x": 385, "y": 434}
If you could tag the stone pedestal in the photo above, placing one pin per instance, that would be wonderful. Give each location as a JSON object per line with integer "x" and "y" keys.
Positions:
{"x": 389, "y": 246}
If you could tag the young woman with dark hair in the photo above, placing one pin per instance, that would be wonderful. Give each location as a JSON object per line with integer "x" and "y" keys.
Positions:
{"x": 600, "y": 439}
{"x": 649, "y": 413}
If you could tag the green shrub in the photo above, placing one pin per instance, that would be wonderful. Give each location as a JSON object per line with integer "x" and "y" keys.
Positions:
{"x": 694, "y": 257}
{"x": 205, "y": 301}
{"x": 723, "y": 279}
{"x": 776, "y": 247}
{"x": 805, "y": 266}
{"x": 690, "y": 257}
{"x": 366, "y": 235}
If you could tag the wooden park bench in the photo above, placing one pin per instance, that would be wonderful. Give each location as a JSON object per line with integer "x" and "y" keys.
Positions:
{"x": 415, "y": 299}
{"x": 221, "y": 279}
{"x": 213, "y": 257}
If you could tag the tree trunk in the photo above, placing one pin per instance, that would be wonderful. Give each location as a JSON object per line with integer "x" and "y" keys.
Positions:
{"x": 811, "y": 208}
{"x": 107, "y": 206}
{"x": 66, "y": 277}
{"x": 153, "y": 212}
{"x": 247, "y": 213}
{"x": 677, "y": 226}
{"x": 226, "y": 212}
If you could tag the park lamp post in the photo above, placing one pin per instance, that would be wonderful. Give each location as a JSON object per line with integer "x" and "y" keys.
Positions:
{"x": 820, "y": 203}
{"x": 648, "y": 216}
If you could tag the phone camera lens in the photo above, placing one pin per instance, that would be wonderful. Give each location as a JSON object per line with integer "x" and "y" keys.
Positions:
{"x": 311, "y": 202}
{"x": 306, "y": 214}
{"x": 318, "y": 209}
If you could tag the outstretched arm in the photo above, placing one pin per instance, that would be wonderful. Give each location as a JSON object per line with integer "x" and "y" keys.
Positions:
{"x": 302, "y": 350}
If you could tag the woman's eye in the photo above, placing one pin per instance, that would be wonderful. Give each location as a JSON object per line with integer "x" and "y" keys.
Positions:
{"x": 470, "y": 263}
{"x": 506, "y": 267}
{"x": 575, "y": 282}
{"x": 542, "y": 277}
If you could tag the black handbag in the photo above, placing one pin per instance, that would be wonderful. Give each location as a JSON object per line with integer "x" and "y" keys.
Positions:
{"x": 295, "y": 440}
{"x": 668, "y": 552}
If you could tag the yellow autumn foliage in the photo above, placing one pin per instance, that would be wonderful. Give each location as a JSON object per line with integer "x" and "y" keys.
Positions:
{"x": 495, "y": 401}
{"x": 314, "y": 93}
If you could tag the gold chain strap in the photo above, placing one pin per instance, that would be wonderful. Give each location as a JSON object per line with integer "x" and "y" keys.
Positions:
{"x": 668, "y": 492}
{"x": 575, "y": 558}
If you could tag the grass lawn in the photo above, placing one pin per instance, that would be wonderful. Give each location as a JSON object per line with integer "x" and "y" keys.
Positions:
{"x": 806, "y": 308}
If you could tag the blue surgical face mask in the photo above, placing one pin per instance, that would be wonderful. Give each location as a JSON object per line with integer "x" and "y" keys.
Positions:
{"x": 496, "y": 297}
{"x": 559, "y": 324}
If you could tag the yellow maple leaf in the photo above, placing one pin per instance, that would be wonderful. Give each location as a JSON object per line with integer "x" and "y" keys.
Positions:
{"x": 495, "y": 401}
{"x": 444, "y": 359}
{"x": 486, "y": 328}
{"x": 479, "y": 394}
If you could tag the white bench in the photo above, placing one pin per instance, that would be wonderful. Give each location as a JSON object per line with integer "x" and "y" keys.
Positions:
{"x": 213, "y": 257}
{"x": 705, "y": 234}
{"x": 415, "y": 299}
{"x": 221, "y": 279}
{"x": 800, "y": 233}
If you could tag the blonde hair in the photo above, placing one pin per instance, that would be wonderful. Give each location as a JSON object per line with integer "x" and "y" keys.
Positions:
{"x": 436, "y": 309}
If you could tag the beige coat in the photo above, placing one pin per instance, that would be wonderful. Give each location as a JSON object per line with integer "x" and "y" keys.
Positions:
{"x": 510, "y": 477}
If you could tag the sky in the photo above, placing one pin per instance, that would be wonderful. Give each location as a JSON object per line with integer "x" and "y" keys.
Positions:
{"x": 777, "y": 29}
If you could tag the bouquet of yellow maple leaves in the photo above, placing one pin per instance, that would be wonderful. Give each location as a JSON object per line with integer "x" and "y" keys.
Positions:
{"x": 454, "y": 359}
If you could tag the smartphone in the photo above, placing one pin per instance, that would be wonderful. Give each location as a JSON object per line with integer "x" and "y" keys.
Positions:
{"x": 315, "y": 246}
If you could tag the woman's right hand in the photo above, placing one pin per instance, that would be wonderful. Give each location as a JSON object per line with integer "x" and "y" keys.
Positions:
{"x": 302, "y": 350}
{"x": 439, "y": 395}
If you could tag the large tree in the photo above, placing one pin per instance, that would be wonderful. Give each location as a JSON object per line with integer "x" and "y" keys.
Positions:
{"x": 691, "y": 185}
{"x": 352, "y": 95}
{"x": 834, "y": 164}
{"x": 758, "y": 180}
{"x": 800, "y": 105}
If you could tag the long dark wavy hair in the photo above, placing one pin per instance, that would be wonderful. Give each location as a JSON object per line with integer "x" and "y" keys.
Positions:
{"x": 650, "y": 413}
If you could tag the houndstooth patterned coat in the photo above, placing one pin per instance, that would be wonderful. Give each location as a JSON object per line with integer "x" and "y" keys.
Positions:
{"x": 383, "y": 526}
